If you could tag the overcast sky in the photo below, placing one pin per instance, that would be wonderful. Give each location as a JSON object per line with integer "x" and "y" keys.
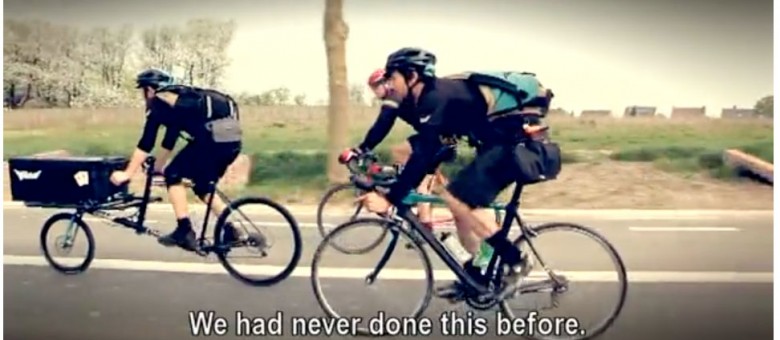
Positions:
{"x": 593, "y": 53}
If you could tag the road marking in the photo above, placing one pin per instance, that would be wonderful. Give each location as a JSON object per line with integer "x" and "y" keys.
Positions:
{"x": 96, "y": 219}
{"x": 599, "y": 214}
{"x": 662, "y": 229}
{"x": 393, "y": 273}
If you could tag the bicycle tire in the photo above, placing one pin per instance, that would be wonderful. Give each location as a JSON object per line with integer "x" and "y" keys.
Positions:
{"x": 382, "y": 223}
{"x": 614, "y": 255}
{"x": 297, "y": 242}
{"x": 90, "y": 243}
{"x": 321, "y": 223}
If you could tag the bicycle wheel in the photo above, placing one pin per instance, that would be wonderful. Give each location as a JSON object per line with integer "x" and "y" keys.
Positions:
{"x": 317, "y": 269}
{"x": 556, "y": 285}
{"x": 268, "y": 213}
{"x": 341, "y": 192}
{"x": 64, "y": 243}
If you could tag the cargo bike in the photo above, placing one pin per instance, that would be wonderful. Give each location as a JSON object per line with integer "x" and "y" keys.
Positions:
{"x": 82, "y": 185}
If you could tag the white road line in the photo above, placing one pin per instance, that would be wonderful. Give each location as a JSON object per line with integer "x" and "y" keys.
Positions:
{"x": 600, "y": 214}
{"x": 667, "y": 229}
{"x": 95, "y": 219}
{"x": 450, "y": 227}
{"x": 396, "y": 273}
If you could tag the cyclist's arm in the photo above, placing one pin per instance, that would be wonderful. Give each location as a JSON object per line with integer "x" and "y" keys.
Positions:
{"x": 145, "y": 143}
{"x": 382, "y": 126}
{"x": 168, "y": 143}
{"x": 421, "y": 160}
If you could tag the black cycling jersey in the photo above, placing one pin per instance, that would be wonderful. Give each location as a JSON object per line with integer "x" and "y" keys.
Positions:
{"x": 184, "y": 109}
{"x": 385, "y": 122}
{"x": 447, "y": 108}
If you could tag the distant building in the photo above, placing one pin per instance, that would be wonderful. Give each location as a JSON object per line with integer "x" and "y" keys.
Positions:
{"x": 558, "y": 112}
{"x": 595, "y": 113}
{"x": 688, "y": 112}
{"x": 639, "y": 111}
{"x": 737, "y": 113}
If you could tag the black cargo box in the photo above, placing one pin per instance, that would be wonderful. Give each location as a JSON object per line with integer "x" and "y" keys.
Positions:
{"x": 65, "y": 181}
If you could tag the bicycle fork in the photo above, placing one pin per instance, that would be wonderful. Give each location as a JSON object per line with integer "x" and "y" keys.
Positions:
{"x": 371, "y": 277}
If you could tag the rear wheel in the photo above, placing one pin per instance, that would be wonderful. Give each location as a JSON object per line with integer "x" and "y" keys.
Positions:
{"x": 553, "y": 287}
{"x": 64, "y": 243}
{"x": 254, "y": 216}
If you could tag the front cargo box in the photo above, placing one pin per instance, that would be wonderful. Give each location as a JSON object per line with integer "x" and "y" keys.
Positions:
{"x": 65, "y": 181}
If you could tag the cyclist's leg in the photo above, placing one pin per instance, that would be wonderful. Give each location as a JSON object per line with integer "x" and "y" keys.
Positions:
{"x": 424, "y": 213}
{"x": 473, "y": 190}
{"x": 221, "y": 156}
{"x": 182, "y": 166}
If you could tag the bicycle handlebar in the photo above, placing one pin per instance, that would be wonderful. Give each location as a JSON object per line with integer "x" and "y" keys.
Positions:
{"x": 354, "y": 163}
{"x": 148, "y": 166}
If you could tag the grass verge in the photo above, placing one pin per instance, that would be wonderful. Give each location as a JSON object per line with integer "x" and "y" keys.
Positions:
{"x": 690, "y": 159}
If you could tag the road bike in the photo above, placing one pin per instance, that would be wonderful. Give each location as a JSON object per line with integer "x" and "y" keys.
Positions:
{"x": 367, "y": 165}
{"x": 130, "y": 211}
{"x": 483, "y": 291}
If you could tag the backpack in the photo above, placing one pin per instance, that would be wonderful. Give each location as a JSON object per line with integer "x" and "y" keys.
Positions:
{"x": 224, "y": 127}
{"x": 508, "y": 91}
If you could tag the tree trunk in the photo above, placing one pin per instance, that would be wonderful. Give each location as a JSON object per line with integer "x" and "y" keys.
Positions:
{"x": 335, "y": 34}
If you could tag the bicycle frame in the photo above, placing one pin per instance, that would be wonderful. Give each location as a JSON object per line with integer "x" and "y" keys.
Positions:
{"x": 444, "y": 254}
{"x": 404, "y": 212}
{"x": 103, "y": 211}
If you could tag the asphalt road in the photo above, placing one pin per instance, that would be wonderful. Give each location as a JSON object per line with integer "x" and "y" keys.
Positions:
{"x": 689, "y": 279}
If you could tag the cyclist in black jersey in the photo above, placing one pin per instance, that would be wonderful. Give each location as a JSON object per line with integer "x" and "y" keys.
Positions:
{"x": 210, "y": 121}
{"x": 388, "y": 114}
{"x": 448, "y": 109}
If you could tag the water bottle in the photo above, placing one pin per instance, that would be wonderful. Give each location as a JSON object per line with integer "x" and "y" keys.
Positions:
{"x": 453, "y": 245}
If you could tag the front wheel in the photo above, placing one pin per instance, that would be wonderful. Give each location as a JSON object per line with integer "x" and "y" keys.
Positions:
{"x": 550, "y": 288}
{"x": 64, "y": 244}
{"x": 378, "y": 267}
{"x": 254, "y": 217}
{"x": 329, "y": 210}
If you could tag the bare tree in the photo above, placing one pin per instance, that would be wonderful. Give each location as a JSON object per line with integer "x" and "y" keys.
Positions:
{"x": 335, "y": 32}
{"x": 300, "y": 99}
{"x": 357, "y": 94}
{"x": 162, "y": 47}
{"x": 205, "y": 44}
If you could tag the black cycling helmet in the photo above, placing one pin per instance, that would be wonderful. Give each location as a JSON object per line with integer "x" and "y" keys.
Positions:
{"x": 153, "y": 78}
{"x": 410, "y": 58}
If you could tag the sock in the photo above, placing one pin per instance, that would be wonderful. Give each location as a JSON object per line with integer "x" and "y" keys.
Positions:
{"x": 509, "y": 254}
{"x": 183, "y": 225}
{"x": 484, "y": 255}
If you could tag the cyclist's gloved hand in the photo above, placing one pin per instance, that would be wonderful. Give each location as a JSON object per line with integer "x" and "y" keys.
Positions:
{"x": 348, "y": 154}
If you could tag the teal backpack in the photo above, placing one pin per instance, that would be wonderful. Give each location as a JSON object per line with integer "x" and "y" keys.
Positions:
{"x": 508, "y": 91}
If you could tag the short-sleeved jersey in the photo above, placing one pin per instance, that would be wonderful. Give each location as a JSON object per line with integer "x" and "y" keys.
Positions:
{"x": 184, "y": 109}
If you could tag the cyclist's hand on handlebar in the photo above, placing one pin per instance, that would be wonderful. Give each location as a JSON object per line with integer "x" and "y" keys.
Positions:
{"x": 349, "y": 154}
{"x": 119, "y": 177}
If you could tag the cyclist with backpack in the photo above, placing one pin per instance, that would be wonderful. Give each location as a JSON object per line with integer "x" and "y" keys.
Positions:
{"x": 503, "y": 112}
{"x": 388, "y": 114}
{"x": 210, "y": 119}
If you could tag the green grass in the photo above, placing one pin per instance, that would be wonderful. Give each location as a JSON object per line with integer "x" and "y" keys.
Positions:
{"x": 288, "y": 144}
{"x": 692, "y": 159}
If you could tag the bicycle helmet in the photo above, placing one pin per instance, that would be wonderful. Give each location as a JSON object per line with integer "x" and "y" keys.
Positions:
{"x": 153, "y": 78}
{"x": 376, "y": 77}
{"x": 410, "y": 58}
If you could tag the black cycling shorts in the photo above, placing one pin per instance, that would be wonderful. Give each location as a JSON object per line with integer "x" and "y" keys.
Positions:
{"x": 201, "y": 164}
{"x": 496, "y": 167}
